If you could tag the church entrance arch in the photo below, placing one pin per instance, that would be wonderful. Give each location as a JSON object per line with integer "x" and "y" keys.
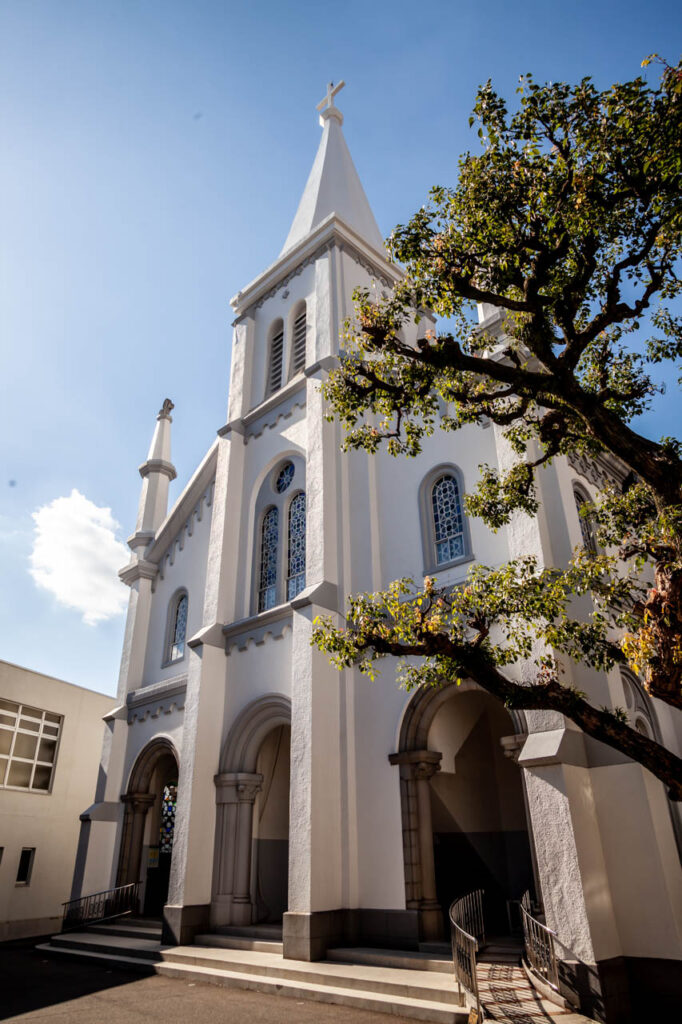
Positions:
{"x": 149, "y": 822}
{"x": 465, "y": 823}
{"x": 251, "y": 863}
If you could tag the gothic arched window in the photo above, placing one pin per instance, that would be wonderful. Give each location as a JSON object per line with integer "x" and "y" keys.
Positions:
{"x": 298, "y": 340}
{"x": 177, "y": 633}
{"x": 267, "y": 582}
{"x": 275, "y": 358}
{"x": 587, "y": 524}
{"x": 448, "y": 519}
{"x": 296, "y": 546}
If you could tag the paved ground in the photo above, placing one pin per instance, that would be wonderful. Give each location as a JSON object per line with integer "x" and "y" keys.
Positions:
{"x": 34, "y": 988}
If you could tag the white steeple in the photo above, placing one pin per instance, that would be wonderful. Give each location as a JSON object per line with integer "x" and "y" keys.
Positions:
{"x": 333, "y": 186}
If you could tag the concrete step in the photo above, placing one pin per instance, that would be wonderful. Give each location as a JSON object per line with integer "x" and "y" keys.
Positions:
{"x": 416, "y": 1009}
{"x": 403, "y": 984}
{"x": 130, "y": 963}
{"x": 271, "y": 932}
{"x": 406, "y": 959}
{"x": 97, "y": 943}
{"x": 220, "y": 941}
{"x": 130, "y": 930}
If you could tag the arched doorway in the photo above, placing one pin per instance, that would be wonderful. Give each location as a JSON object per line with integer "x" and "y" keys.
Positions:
{"x": 464, "y": 815}
{"x": 149, "y": 823}
{"x": 250, "y": 879}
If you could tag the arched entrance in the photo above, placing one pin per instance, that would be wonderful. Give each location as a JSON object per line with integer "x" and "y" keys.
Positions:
{"x": 250, "y": 879}
{"x": 148, "y": 824}
{"x": 463, "y": 805}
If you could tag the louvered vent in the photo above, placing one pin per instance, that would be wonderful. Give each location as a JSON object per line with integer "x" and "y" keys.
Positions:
{"x": 275, "y": 374}
{"x": 299, "y": 343}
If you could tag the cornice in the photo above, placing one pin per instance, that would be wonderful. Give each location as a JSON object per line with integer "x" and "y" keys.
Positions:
{"x": 182, "y": 513}
{"x": 140, "y": 570}
{"x": 257, "y": 628}
{"x": 157, "y": 699}
{"x": 331, "y": 232}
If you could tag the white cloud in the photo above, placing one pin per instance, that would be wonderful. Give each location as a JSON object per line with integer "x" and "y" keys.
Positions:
{"x": 76, "y": 556}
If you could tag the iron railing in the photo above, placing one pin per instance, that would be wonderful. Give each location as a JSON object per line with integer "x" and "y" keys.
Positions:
{"x": 101, "y": 906}
{"x": 540, "y": 947}
{"x": 467, "y": 932}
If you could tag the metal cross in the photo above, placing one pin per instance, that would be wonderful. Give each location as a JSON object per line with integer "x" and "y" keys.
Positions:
{"x": 332, "y": 90}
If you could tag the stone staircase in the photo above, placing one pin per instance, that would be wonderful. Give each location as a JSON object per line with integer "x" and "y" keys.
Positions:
{"x": 416, "y": 985}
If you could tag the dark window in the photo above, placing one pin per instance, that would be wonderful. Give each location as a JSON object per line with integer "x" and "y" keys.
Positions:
{"x": 25, "y": 866}
{"x": 298, "y": 361}
{"x": 276, "y": 355}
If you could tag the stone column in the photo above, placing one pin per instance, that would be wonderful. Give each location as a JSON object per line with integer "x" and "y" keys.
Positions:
{"x": 137, "y": 805}
{"x": 417, "y": 767}
{"x": 235, "y": 796}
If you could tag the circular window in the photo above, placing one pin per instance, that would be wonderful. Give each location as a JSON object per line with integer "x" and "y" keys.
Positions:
{"x": 284, "y": 477}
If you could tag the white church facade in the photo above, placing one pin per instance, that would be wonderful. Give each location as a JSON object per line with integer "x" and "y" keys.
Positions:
{"x": 245, "y": 780}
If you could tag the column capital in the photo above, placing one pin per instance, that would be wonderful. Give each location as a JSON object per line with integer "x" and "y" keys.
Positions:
{"x": 139, "y": 801}
{"x": 237, "y": 787}
{"x": 417, "y": 764}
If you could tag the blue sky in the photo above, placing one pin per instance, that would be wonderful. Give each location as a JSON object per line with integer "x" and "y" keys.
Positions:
{"x": 154, "y": 155}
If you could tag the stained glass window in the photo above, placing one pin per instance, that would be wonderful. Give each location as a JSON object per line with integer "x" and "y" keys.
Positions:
{"x": 179, "y": 630}
{"x": 284, "y": 477}
{"x": 267, "y": 588}
{"x": 168, "y": 804}
{"x": 448, "y": 520}
{"x": 296, "y": 556}
{"x": 587, "y": 529}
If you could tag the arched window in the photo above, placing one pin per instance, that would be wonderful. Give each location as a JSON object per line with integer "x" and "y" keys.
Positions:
{"x": 638, "y": 707}
{"x": 587, "y": 525}
{"x": 296, "y": 546}
{"x": 276, "y": 356}
{"x": 298, "y": 341}
{"x": 267, "y": 584}
{"x": 177, "y": 633}
{"x": 448, "y": 519}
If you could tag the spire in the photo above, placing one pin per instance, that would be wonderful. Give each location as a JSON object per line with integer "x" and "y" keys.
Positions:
{"x": 333, "y": 185}
{"x": 157, "y": 473}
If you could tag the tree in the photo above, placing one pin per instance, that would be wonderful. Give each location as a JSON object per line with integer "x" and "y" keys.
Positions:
{"x": 569, "y": 223}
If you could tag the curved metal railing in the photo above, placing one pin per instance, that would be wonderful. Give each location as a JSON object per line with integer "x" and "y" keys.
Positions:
{"x": 101, "y": 906}
{"x": 539, "y": 941}
{"x": 467, "y": 932}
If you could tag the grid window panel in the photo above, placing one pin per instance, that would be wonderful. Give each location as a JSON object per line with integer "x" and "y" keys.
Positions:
{"x": 28, "y": 746}
{"x": 296, "y": 550}
{"x": 448, "y": 520}
{"x": 299, "y": 342}
{"x": 267, "y": 588}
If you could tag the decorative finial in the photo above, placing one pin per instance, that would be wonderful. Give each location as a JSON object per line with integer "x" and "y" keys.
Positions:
{"x": 165, "y": 410}
{"x": 327, "y": 107}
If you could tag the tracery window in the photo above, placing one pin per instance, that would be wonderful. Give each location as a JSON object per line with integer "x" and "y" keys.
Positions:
{"x": 284, "y": 477}
{"x": 448, "y": 519}
{"x": 178, "y": 629}
{"x": 296, "y": 547}
{"x": 298, "y": 342}
{"x": 587, "y": 524}
{"x": 267, "y": 587}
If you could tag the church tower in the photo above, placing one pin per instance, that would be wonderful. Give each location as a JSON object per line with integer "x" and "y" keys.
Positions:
{"x": 246, "y": 781}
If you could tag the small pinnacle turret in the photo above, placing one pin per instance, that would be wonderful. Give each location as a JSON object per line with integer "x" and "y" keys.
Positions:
{"x": 156, "y": 472}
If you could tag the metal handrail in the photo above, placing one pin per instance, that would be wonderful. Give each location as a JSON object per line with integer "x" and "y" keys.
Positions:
{"x": 539, "y": 943}
{"x": 101, "y": 906}
{"x": 467, "y": 931}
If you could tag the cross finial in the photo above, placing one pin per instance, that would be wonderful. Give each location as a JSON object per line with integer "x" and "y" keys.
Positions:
{"x": 327, "y": 104}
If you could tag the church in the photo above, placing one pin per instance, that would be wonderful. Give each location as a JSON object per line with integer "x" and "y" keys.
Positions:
{"x": 245, "y": 781}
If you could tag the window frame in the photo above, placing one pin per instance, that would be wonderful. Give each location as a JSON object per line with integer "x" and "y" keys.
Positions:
{"x": 428, "y": 526}
{"x": 580, "y": 498}
{"x": 171, "y": 616}
{"x": 44, "y": 723}
{"x": 24, "y": 883}
{"x": 268, "y": 498}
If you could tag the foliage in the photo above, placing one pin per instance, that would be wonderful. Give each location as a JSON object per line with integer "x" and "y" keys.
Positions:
{"x": 565, "y": 230}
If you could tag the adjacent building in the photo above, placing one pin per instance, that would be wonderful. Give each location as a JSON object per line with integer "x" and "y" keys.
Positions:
{"x": 50, "y": 746}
